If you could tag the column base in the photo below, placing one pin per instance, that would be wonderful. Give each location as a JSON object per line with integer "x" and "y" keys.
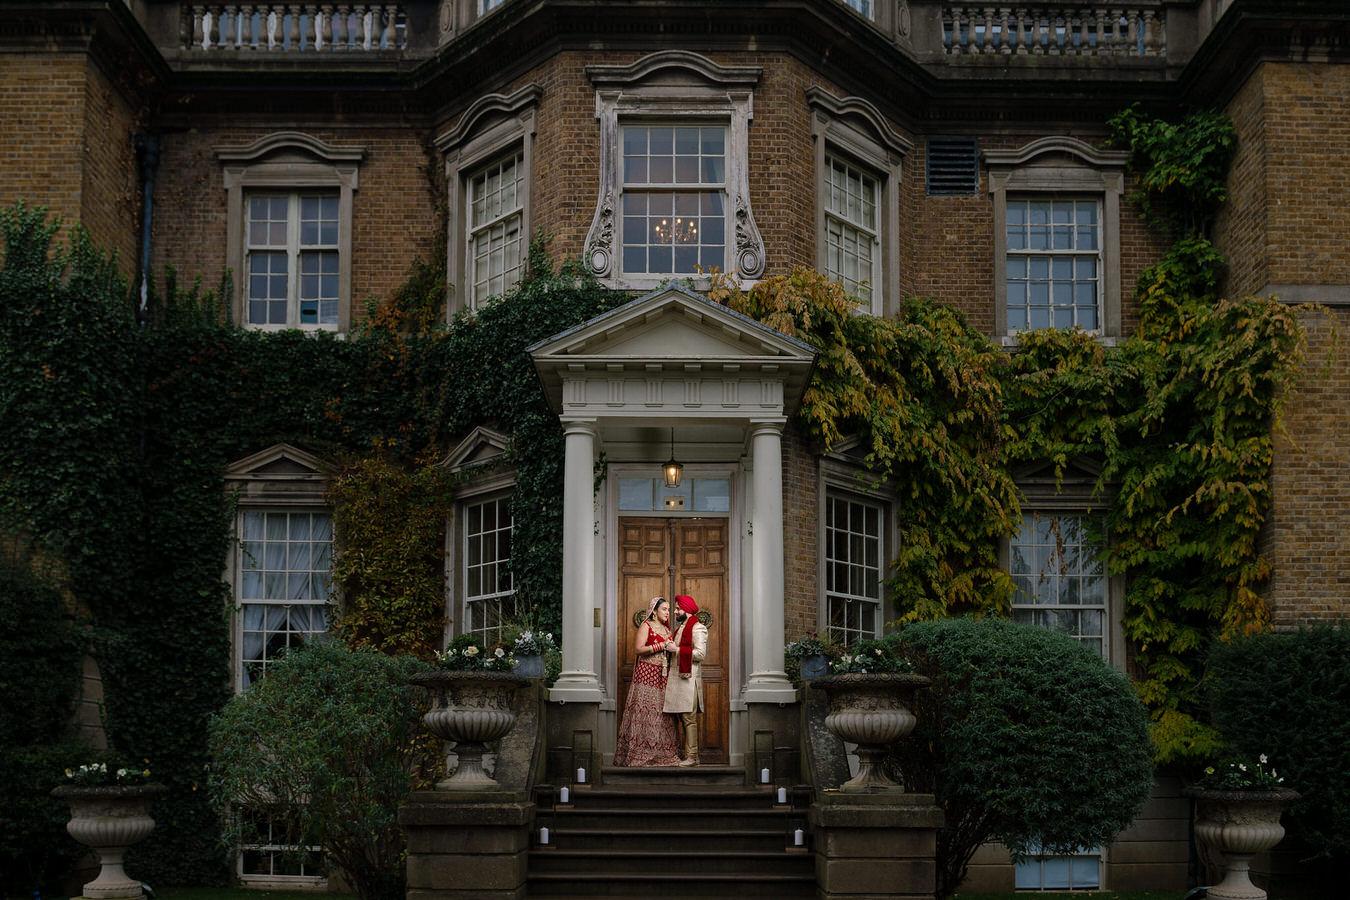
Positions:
{"x": 576, "y": 687}
{"x": 769, "y": 687}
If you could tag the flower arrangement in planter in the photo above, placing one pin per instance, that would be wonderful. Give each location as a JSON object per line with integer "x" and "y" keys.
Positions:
{"x": 110, "y": 812}
{"x": 1238, "y": 804}
{"x": 466, "y": 653}
{"x": 811, "y": 655}
{"x": 872, "y": 657}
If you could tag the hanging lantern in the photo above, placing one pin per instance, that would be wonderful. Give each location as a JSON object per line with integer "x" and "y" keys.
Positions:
{"x": 671, "y": 471}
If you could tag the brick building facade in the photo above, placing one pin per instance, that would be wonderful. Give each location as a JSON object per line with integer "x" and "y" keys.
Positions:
{"x": 388, "y": 121}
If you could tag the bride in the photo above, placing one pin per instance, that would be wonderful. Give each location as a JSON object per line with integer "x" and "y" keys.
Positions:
{"x": 647, "y": 736}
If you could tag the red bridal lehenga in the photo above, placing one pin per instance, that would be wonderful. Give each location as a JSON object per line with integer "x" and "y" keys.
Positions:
{"x": 647, "y": 736}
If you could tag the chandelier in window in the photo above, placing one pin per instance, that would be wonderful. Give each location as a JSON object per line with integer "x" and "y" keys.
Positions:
{"x": 681, "y": 231}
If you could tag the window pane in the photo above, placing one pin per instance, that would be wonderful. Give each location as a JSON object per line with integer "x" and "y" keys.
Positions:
{"x": 853, "y": 561}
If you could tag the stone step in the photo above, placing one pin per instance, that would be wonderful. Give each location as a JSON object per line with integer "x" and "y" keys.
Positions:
{"x": 669, "y": 885}
{"x": 643, "y": 798}
{"x": 673, "y": 776}
{"x": 661, "y": 862}
{"x": 662, "y": 839}
{"x": 621, "y": 820}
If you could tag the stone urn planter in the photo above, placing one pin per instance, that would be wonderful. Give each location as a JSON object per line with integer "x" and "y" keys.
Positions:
{"x": 531, "y": 665}
{"x": 872, "y": 711}
{"x": 110, "y": 819}
{"x": 472, "y": 709}
{"x": 1239, "y": 825}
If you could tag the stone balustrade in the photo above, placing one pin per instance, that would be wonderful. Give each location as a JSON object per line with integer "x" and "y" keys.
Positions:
{"x": 1055, "y": 29}
{"x": 293, "y": 27}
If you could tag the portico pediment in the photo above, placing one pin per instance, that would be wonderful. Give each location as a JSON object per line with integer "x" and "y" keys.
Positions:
{"x": 673, "y": 351}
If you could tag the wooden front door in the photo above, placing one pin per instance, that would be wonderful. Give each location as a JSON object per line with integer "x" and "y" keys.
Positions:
{"x": 663, "y": 558}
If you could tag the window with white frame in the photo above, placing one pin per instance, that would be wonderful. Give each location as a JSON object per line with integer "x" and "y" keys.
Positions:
{"x": 266, "y": 857}
{"x": 857, "y": 157}
{"x": 852, "y": 200}
{"x": 284, "y": 585}
{"x": 289, "y": 200}
{"x": 674, "y": 195}
{"x": 1082, "y": 871}
{"x": 495, "y": 226}
{"x": 1059, "y": 578}
{"x": 489, "y": 595}
{"x": 674, "y": 199}
{"x": 293, "y": 260}
{"x": 488, "y": 162}
{"x": 1053, "y": 264}
{"x": 854, "y": 562}
{"x": 1056, "y": 236}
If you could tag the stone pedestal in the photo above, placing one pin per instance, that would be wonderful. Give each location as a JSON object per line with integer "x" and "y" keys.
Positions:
{"x": 467, "y": 844}
{"x": 874, "y": 846}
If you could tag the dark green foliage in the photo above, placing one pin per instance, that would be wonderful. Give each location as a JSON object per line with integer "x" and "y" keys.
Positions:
{"x": 1026, "y": 737}
{"x": 324, "y": 745}
{"x": 1287, "y": 695}
{"x": 39, "y": 674}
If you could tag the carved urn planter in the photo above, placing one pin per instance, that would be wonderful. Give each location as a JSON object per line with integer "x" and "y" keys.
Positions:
{"x": 872, "y": 711}
{"x": 472, "y": 709}
{"x": 1239, "y": 825}
{"x": 110, "y": 819}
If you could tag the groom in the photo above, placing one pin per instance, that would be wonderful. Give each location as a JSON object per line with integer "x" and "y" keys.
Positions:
{"x": 684, "y": 688}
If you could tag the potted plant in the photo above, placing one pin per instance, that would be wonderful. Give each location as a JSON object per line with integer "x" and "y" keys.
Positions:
{"x": 530, "y": 647}
{"x": 871, "y": 688}
{"x": 1238, "y": 804}
{"x": 110, "y": 812}
{"x": 474, "y": 689}
{"x": 812, "y": 654}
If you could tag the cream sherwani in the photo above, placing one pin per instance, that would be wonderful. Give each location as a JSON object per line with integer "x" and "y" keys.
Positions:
{"x": 685, "y": 695}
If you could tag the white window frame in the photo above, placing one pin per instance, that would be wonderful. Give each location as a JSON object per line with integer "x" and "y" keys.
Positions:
{"x": 274, "y": 851}
{"x": 289, "y": 162}
{"x": 493, "y": 128}
{"x": 491, "y": 634}
{"x": 852, "y": 239}
{"x": 854, "y": 131}
{"x": 1073, "y": 494}
{"x": 1047, "y": 572}
{"x": 847, "y": 634}
{"x": 1051, "y": 168}
{"x": 1036, "y": 863}
{"x": 865, "y": 8}
{"x": 1073, "y": 255}
{"x": 673, "y": 87}
{"x": 295, "y": 251}
{"x": 843, "y": 475}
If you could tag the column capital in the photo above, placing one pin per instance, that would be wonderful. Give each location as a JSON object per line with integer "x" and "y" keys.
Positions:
{"x": 579, "y": 426}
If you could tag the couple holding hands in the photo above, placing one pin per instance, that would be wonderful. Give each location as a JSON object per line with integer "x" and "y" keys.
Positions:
{"x": 666, "y": 684}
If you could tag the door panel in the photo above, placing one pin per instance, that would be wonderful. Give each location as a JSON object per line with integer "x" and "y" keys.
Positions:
{"x": 666, "y": 557}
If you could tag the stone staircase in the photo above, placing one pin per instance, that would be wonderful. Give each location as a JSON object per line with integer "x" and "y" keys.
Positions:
{"x": 670, "y": 832}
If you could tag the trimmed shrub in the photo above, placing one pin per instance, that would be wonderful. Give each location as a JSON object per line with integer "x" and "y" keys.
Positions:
{"x": 39, "y": 673}
{"x": 1287, "y": 695}
{"x": 1026, "y": 737}
{"x": 324, "y": 748}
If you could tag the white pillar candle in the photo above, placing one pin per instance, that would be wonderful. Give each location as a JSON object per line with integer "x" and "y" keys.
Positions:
{"x": 543, "y": 835}
{"x": 797, "y": 838}
{"x": 562, "y": 795}
{"x": 782, "y": 795}
{"x": 581, "y": 776}
{"x": 763, "y": 776}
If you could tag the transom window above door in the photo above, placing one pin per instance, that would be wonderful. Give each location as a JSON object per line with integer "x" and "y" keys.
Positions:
{"x": 674, "y": 199}
{"x": 698, "y": 494}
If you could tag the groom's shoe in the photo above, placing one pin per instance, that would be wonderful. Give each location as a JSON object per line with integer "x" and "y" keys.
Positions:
{"x": 688, "y": 762}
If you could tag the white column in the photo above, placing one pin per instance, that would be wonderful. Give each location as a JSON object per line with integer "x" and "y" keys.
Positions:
{"x": 578, "y": 681}
{"x": 768, "y": 682}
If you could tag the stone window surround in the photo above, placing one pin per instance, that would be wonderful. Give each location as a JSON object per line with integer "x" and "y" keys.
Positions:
{"x": 1081, "y": 170}
{"x": 1076, "y": 494}
{"x": 681, "y": 87}
{"x": 494, "y": 125}
{"x": 842, "y": 473}
{"x": 855, "y": 129}
{"x": 289, "y": 161}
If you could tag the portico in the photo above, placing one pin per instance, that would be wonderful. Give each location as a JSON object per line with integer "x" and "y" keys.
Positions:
{"x": 673, "y": 373}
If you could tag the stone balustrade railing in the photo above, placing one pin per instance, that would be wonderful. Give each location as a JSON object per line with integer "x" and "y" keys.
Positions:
{"x": 294, "y": 27}
{"x": 1055, "y": 29}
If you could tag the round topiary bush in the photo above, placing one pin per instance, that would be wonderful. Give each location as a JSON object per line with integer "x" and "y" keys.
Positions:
{"x": 1027, "y": 737}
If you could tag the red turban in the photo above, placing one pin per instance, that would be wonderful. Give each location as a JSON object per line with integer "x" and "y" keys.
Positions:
{"x": 686, "y": 604}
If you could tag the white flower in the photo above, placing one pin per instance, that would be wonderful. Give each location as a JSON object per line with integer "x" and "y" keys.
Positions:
{"x": 1242, "y": 766}
{"x": 499, "y": 653}
{"x": 1263, "y": 759}
{"x": 877, "y": 651}
{"x": 470, "y": 650}
{"x": 121, "y": 773}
